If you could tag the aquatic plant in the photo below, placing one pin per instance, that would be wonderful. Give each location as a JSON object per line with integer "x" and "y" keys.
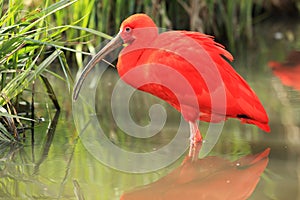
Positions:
{"x": 27, "y": 47}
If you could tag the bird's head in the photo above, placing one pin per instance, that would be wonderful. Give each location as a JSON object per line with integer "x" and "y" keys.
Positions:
{"x": 138, "y": 27}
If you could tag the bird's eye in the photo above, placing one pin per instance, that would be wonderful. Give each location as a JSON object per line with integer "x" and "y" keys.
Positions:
{"x": 127, "y": 29}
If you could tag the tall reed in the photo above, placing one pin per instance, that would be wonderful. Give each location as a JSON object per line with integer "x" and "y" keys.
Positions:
{"x": 227, "y": 20}
{"x": 27, "y": 47}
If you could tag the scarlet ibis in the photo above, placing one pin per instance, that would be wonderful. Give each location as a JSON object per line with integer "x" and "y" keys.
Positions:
{"x": 189, "y": 70}
{"x": 201, "y": 178}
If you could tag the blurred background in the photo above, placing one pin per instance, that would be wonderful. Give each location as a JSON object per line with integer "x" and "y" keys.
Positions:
{"x": 44, "y": 43}
{"x": 229, "y": 21}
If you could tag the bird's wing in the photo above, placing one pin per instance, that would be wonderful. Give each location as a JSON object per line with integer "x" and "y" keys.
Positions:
{"x": 177, "y": 59}
{"x": 242, "y": 102}
{"x": 190, "y": 69}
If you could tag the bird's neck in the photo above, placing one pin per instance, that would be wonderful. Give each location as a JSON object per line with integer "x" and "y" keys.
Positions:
{"x": 130, "y": 55}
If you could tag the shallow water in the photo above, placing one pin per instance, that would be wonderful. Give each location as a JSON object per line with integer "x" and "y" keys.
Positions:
{"x": 59, "y": 164}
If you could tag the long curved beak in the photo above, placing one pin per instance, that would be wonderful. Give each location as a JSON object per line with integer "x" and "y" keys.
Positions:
{"x": 112, "y": 45}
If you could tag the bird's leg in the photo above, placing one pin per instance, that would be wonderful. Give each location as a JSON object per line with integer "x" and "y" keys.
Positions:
{"x": 195, "y": 135}
{"x": 195, "y": 140}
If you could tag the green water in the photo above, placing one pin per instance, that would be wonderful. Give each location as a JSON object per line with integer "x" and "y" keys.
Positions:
{"x": 57, "y": 165}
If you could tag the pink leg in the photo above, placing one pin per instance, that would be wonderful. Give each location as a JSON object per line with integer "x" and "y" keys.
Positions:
{"x": 195, "y": 140}
{"x": 195, "y": 135}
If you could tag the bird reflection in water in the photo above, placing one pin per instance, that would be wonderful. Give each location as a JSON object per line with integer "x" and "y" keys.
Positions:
{"x": 212, "y": 177}
{"x": 288, "y": 71}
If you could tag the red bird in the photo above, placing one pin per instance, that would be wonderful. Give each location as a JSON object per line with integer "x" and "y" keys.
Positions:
{"x": 189, "y": 70}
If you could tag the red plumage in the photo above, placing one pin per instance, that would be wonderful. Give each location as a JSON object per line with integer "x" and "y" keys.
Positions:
{"x": 188, "y": 70}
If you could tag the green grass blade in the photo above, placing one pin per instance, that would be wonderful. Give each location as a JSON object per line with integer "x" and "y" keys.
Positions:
{"x": 22, "y": 81}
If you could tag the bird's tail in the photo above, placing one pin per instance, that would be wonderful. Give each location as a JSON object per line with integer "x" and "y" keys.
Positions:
{"x": 263, "y": 126}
